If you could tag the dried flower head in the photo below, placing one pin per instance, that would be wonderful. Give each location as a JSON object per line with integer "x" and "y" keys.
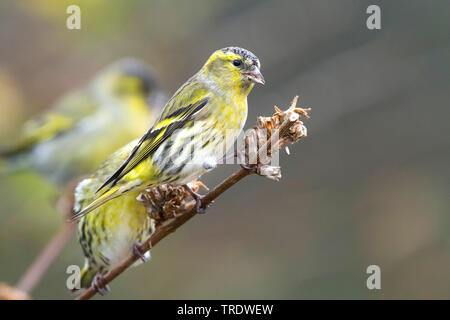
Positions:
{"x": 272, "y": 134}
{"x": 165, "y": 201}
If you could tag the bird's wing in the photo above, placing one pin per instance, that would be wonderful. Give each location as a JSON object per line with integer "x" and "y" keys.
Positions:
{"x": 183, "y": 107}
{"x": 61, "y": 118}
{"x": 144, "y": 148}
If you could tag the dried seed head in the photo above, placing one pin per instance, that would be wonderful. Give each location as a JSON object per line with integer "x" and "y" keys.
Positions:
{"x": 273, "y": 133}
{"x": 270, "y": 172}
{"x": 163, "y": 202}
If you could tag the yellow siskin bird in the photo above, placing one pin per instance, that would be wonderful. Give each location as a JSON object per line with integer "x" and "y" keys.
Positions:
{"x": 112, "y": 232}
{"x": 76, "y": 135}
{"x": 197, "y": 126}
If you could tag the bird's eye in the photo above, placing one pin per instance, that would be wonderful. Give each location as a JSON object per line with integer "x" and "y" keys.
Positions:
{"x": 237, "y": 62}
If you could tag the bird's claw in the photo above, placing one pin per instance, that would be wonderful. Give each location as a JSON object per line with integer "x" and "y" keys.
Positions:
{"x": 99, "y": 284}
{"x": 198, "y": 206}
{"x": 252, "y": 168}
{"x": 198, "y": 203}
{"x": 198, "y": 200}
{"x": 137, "y": 253}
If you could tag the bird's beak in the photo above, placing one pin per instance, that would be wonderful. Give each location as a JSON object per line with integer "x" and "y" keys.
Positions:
{"x": 254, "y": 75}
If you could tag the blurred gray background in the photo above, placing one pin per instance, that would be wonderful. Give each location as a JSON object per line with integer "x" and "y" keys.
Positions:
{"x": 369, "y": 185}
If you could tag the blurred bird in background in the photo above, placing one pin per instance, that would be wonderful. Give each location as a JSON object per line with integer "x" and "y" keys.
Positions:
{"x": 207, "y": 113}
{"x": 79, "y": 132}
{"x": 85, "y": 126}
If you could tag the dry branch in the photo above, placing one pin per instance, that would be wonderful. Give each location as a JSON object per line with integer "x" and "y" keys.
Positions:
{"x": 45, "y": 259}
{"x": 168, "y": 204}
{"x": 10, "y": 293}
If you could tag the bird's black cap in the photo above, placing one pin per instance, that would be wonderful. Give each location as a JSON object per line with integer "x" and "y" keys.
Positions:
{"x": 244, "y": 53}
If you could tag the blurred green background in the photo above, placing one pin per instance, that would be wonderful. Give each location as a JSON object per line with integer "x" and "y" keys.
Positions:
{"x": 370, "y": 184}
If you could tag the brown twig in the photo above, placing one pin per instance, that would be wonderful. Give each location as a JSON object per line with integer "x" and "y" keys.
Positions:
{"x": 10, "y": 293}
{"x": 282, "y": 128}
{"x": 46, "y": 258}
{"x": 40, "y": 265}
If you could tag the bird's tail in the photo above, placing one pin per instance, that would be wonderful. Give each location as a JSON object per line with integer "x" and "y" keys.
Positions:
{"x": 10, "y": 151}
{"x": 17, "y": 164}
{"x": 86, "y": 276}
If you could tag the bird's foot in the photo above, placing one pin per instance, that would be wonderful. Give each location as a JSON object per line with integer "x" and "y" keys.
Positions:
{"x": 198, "y": 200}
{"x": 99, "y": 284}
{"x": 252, "y": 168}
{"x": 137, "y": 253}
